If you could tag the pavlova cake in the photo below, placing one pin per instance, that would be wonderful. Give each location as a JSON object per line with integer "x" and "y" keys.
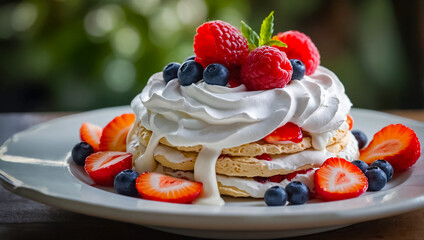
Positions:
{"x": 247, "y": 112}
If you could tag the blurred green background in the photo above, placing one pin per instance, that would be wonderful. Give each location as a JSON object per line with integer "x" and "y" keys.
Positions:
{"x": 80, "y": 55}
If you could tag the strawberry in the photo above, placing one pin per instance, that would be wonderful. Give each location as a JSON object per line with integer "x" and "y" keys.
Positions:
{"x": 339, "y": 179}
{"x": 159, "y": 187}
{"x": 397, "y": 144}
{"x": 114, "y": 135}
{"x": 91, "y": 134}
{"x": 102, "y": 167}
{"x": 349, "y": 121}
{"x": 288, "y": 132}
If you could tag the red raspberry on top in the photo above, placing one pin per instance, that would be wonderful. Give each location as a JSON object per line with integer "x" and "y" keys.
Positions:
{"x": 300, "y": 46}
{"x": 219, "y": 42}
{"x": 266, "y": 68}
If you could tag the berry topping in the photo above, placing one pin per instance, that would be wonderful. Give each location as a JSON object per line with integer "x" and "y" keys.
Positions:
{"x": 361, "y": 138}
{"x": 114, "y": 136}
{"x": 376, "y": 178}
{"x": 192, "y": 57}
{"x": 80, "y": 152}
{"x": 216, "y": 74}
{"x": 170, "y": 71}
{"x": 102, "y": 167}
{"x": 298, "y": 69}
{"x": 91, "y": 134}
{"x": 292, "y": 175}
{"x": 361, "y": 165}
{"x": 288, "y": 132}
{"x": 349, "y": 121}
{"x": 339, "y": 179}
{"x": 397, "y": 144}
{"x": 266, "y": 68}
{"x": 190, "y": 72}
{"x": 275, "y": 196}
{"x": 219, "y": 42}
{"x": 385, "y": 166}
{"x": 300, "y": 46}
{"x": 277, "y": 178}
{"x": 297, "y": 193}
{"x": 159, "y": 187}
{"x": 124, "y": 183}
{"x": 265, "y": 157}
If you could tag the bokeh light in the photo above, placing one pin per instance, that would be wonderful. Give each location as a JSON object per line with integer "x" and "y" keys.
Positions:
{"x": 119, "y": 75}
{"x": 23, "y": 16}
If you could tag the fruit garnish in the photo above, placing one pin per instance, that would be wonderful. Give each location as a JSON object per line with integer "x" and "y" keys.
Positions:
{"x": 300, "y": 46}
{"x": 298, "y": 69}
{"x": 102, "y": 167}
{"x": 124, "y": 183}
{"x": 385, "y": 166}
{"x": 377, "y": 179}
{"x": 266, "y": 68}
{"x": 339, "y": 179}
{"x": 91, "y": 133}
{"x": 216, "y": 74}
{"x": 220, "y": 42}
{"x": 159, "y": 187}
{"x": 297, "y": 193}
{"x": 190, "y": 72}
{"x": 288, "y": 132}
{"x": 349, "y": 121}
{"x": 361, "y": 165}
{"x": 114, "y": 135}
{"x": 397, "y": 144}
{"x": 361, "y": 138}
{"x": 80, "y": 152}
{"x": 292, "y": 175}
{"x": 275, "y": 196}
{"x": 170, "y": 71}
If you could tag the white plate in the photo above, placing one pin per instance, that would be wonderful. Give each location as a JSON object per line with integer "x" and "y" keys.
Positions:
{"x": 36, "y": 164}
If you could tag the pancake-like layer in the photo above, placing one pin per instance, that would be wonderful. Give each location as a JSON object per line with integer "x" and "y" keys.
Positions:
{"x": 250, "y": 166}
{"x": 249, "y": 149}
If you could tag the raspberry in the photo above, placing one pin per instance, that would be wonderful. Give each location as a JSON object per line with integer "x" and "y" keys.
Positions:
{"x": 266, "y": 68}
{"x": 300, "y": 46}
{"x": 219, "y": 42}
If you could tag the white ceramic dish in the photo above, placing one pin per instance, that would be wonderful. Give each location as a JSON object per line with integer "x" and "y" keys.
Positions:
{"x": 36, "y": 164}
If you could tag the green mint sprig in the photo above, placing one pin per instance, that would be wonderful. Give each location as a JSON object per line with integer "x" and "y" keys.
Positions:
{"x": 265, "y": 35}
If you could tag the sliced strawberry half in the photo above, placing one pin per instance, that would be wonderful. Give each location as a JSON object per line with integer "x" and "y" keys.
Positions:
{"x": 349, "y": 121}
{"x": 91, "y": 133}
{"x": 102, "y": 167}
{"x": 339, "y": 179}
{"x": 159, "y": 187}
{"x": 397, "y": 144}
{"x": 288, "y": 132}
{"x": 114, "y": 135}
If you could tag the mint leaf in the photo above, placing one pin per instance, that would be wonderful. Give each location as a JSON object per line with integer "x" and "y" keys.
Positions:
{"x": 267, "y": 28}
{"x": 251, "y": 36}
{"x": 275, "y": 42}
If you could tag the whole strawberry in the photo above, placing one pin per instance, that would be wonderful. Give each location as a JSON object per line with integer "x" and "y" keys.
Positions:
{"x": 219, "y": 42}
{"x": 300, "y": 46}
{"x": 266, "y": 68}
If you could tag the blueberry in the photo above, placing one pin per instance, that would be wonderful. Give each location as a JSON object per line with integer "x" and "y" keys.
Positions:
{"x": 124, "y": 183}
{"x": 298, "y": 69}
{"x": 297, "y": 193}
{"x": 385, "y": 166}
{"x": 80, "y": 152}
{"x": 190, "y": 72}
{"x": 216, "y": 74}
{"x": 360, "y": 137}
{"x": 170, "y": 71}
{"x": 376, "y": 178}
{"x": 192, "y": 57}
{"x": 361, "y": 165}
{"x": 275, "y": 196}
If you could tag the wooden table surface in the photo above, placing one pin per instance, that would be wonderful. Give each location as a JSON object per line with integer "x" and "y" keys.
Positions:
{"x": 22, "y": 218}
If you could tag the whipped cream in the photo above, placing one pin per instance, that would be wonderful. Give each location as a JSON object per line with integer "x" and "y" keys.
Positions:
{"x": 219, "y": 117}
